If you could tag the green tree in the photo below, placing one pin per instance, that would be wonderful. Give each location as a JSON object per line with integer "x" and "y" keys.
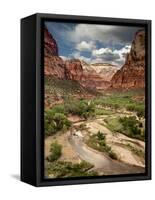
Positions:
{"x": 55, "y": 152}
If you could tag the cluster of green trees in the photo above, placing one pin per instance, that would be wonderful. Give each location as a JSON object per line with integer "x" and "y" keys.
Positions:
{"x": 132, "y": 127}
{"x": 122, "y": 101}
{"x": 55, "y": 122}
{"x": 139, "y": 109}
{"x": 98, "y": 142}
{"x": 62, "y": 169}
{"x": 84, "y": 109}
{"x": 56, "y": 118}
{"x": 129, "y": 126}
{"x": 55, "y": 152}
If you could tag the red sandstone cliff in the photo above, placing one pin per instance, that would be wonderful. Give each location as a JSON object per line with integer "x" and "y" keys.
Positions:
{"x": 91, "y": 79}
{"x": 53, "y": 64}
{"x": 132, "y": 74}
{"x": 50, "y": 45}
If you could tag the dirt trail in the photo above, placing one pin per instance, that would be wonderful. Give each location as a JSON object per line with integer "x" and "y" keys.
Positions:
{"x": 128, "y": 161}
{"x": 101, "y": 161}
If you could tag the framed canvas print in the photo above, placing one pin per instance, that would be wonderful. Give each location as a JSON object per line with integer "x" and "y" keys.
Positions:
{"x": 85, "y": 99}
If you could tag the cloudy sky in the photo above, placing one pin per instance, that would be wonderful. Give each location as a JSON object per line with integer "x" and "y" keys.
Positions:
{"x": 92, "y": 43}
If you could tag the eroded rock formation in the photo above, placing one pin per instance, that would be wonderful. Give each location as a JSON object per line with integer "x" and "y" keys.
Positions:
{"x": 132, "y": 74}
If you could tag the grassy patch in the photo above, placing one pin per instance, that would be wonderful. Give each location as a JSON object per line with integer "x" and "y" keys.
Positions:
{"x": 60, "y": 169}
{"x": 98, "y": 142}
{"x": 102, "y": 111}
{"x": 123, "y": 100}
{"x": 113, "y": 124}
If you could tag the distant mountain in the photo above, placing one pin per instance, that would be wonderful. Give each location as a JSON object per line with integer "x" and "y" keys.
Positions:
{"x": 132, "y": 74}
{"x": 105, "y": 70}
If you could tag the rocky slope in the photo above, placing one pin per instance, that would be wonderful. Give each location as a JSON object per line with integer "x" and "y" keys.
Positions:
{"x": 54, "y": 66}
{"x": 132, "y": 74}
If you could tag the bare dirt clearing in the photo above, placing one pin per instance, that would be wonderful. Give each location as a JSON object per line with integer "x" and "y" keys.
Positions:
{"x": 68, "y": 153}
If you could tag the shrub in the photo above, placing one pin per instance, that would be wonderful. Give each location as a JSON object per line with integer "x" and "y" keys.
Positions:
{"x": 131, "y": 127}
{"x": 113, "y": 155}
{"x": 128, "y": 121}
{"x": 98, "y": 142}
{"x": 55, "y": 152}
{"x": 55, "y": 122}
{"x": 139, "y": 109}
{"x": 58, "y": 109}
{"x": 100, "y": 136}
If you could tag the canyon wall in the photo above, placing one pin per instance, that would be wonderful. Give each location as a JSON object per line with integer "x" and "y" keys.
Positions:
{"x": 132, "y": 74}
{"x": 73, "y": 69}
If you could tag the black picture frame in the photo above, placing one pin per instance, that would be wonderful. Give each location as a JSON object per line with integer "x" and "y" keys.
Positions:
{"x": 32, "y": 99}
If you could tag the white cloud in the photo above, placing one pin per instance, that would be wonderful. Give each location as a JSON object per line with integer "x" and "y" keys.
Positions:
{"x": 123, "y": 51}
{"x": 89, "y": 31}
{"x": 113, "y": 56}
{"x": 103, "y": 33}
{"x": 104, "y": 55}
{"x": 101, "y": 52}
{"x": 85, "y": 46}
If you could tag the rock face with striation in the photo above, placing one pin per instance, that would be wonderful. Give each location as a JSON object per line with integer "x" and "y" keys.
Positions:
{"x": 73, "y": 70}
{"x": 132, "y": 74}
{"x": 50, "y": 45}
{"x": 53, "y": 64}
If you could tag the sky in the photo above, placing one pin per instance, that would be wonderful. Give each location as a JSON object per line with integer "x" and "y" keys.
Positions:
{"x": 93, "y": 43}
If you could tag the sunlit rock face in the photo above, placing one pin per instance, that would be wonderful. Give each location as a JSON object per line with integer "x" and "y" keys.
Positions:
{"x": 132, "y": 74}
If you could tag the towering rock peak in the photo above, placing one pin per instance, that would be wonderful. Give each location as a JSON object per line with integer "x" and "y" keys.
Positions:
{"x": 50, "y": 45}
{"x": 53, "y": 64}
{"x": 132, "y": 74}
{"x": 138, "y": 46}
